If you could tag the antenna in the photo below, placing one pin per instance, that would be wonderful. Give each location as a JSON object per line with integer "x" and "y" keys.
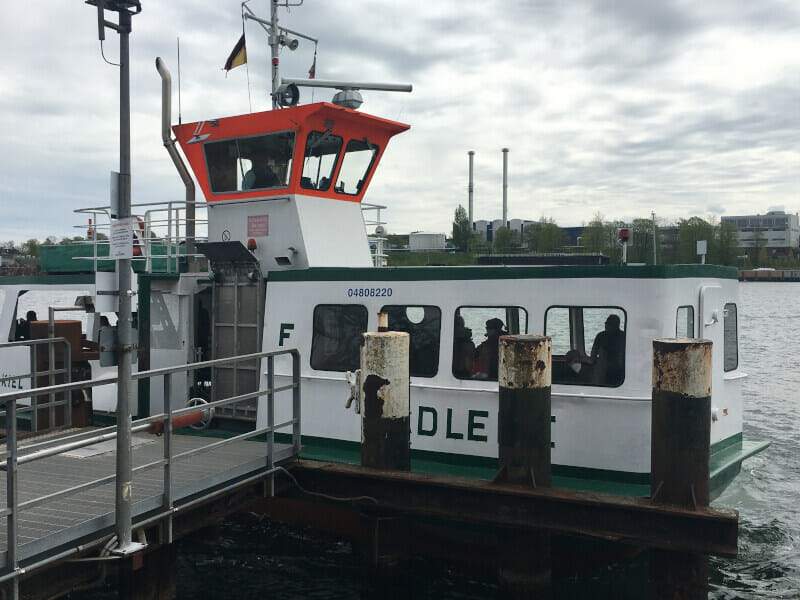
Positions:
{"x": 179, "y": 81}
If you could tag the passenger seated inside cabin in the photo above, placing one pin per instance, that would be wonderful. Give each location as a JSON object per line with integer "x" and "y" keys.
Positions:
{"x": 24, "y": 326}
{"x": 463, "y": 349}
{"x": 574, "y": 367}
{"x": 260, "y": 174}
{"x": 485, "y": 363}
{"x": 608, "y": 353}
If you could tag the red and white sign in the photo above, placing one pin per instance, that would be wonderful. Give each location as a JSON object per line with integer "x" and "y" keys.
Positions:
{"x": 258, "y": 226}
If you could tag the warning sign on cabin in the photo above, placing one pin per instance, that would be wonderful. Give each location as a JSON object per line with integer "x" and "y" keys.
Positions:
{"x": 258, "y": 226}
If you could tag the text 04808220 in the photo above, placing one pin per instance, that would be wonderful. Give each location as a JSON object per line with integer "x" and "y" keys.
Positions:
{"x": 368, "y": 292}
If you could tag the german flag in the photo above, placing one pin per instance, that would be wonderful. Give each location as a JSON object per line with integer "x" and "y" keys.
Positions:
{"x": 238, "y": 56}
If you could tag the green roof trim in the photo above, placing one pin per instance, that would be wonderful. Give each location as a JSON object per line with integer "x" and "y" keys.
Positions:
{"x": 76, "y": 278}
{"x": 503, "y": 272}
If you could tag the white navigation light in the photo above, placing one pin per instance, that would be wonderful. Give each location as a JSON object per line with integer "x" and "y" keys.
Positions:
{"x": 348, "y": 99}
{"x": 288, "y": 95}
{"x": 290, "y": 43}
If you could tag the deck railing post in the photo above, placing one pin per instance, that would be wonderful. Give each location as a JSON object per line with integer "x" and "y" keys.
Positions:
{"x": 12, "y": 523}
{"x": 680, "y": 455}
{"x": 271, "y": 423}
{"x": 51, "y": 366}
{"x": 523, "y": 437}
{"x": 67, "y": 379}
{"x": 168, "y": 456}
{"x": 296, "y": 402}
{"x": 34, "y": 384}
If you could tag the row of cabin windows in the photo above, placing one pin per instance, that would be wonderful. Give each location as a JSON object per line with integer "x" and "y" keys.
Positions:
{"x": 588, "y": 342}
{"x": 265, "y": 162}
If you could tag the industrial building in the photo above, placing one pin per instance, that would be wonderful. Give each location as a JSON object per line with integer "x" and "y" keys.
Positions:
{"x": 777, "y": 231}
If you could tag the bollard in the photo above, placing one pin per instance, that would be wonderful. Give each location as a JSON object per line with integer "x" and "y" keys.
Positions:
{"x": 523, "y": 422}
{"x": 680, "y": 455}
{"x": 385, "y": 408}
{"x": 523, "y": 436}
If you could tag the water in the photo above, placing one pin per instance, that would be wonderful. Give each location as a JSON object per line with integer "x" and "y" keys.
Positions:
{"x": 257, "y": 558}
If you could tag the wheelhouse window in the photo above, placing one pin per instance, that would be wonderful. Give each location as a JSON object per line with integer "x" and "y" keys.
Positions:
{"x": 250, "y": 163}
{"x": 322, "y": 151}
{"x": 684, "y": 322}
{"x": 336, "y": 338}
{"x": 730, "y": 342}
{"x": 476, "y": 336}
{"x": 359, "y": 156}
{"x": 423, "y": 324}
{"x": 588, "y": 344}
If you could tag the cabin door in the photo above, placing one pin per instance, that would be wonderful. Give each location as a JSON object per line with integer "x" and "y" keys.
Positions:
{"x": 237, "y": 324}
{"x": 710, "y": 322}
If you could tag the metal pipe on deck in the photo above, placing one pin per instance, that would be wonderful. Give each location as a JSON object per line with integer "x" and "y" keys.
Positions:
{"x": 680, "y": 455}
{"x": 169, "y": 144}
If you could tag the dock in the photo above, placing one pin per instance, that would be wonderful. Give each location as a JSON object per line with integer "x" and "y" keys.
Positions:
{"x": 62, "y": 494}
{"x": 62, "y": 517}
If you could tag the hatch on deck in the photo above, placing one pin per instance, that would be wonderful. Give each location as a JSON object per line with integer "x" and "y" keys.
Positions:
{"x": 316, "y": 149}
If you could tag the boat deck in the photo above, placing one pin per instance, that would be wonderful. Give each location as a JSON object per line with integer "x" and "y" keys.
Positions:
{"x": 52, "y": 525}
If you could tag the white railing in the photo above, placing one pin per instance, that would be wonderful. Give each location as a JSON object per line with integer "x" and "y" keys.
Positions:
{"x": 159, "y": 233}
{"x": 377, "y": 242}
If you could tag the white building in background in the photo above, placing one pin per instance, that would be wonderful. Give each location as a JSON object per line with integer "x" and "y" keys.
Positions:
{"x": 487, "y": 229}
{"x": 779, "y": 232}
{"x": 421, "y": 241}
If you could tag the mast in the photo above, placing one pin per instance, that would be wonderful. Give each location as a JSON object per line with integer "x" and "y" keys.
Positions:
{"x": 274, "y": 44}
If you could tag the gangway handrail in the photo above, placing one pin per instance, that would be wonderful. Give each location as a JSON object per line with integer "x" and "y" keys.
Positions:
{"x": 16, "y": 455}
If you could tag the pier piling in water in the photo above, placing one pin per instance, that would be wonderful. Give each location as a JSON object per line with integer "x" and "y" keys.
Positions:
{"x": 680, "y": 455}
{"x": 385, "y": 409}
{"x": 523, "y": 436}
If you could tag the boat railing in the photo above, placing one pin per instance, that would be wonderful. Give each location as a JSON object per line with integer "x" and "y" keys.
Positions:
{"x": 159, "y": 234}
{"x": 377, "y": 241}
{"x": 162, "y": 423}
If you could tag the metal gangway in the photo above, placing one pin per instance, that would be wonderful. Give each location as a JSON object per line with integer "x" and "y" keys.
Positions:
{"x": 60, "y": 490}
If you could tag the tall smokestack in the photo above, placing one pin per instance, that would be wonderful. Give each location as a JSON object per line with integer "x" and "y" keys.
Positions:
{"x": 471, "y": 186}
{"x": 505, "y": 187}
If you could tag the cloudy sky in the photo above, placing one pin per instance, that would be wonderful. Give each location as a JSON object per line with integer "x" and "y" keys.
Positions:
{"x": 618, "y": 107}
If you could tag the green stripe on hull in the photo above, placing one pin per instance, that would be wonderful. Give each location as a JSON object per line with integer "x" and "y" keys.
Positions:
{"x": 501, "y": 272}
{"x": 726, "y": 458}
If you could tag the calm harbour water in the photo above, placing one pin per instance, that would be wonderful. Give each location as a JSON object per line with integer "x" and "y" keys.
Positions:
{"x": 256, "y": 558}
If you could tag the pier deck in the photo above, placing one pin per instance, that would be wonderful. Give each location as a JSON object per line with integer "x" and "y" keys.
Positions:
{"x": 51, "y": 526}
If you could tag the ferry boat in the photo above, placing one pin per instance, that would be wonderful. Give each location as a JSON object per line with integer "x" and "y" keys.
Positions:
{"x": 290, "y": 266}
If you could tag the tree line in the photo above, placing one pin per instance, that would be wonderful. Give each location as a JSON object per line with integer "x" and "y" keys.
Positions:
{"x": 674, "y": 243}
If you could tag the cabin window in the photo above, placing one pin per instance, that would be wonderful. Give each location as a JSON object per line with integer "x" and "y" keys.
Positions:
{"x": 423, "y": 323}
{"x": 730, "y": 342}
{"x": 359, "y": 156}
{"x": 588, "y": 344}
{"x": 251, "y": 163}
{"x": 336, "y": 339}
{"x": 684, "y": 322}
{"x": 476, "y": 334}
{"x": 322, "y": 150}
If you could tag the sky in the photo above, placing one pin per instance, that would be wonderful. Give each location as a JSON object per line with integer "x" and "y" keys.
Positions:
{"x": 610, "y": 107}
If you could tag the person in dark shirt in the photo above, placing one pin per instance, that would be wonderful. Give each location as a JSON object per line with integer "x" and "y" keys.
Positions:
{"x": 608, "y": 353}
{"x": 24, "y": 326}
{"x": 487, "y": 353}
